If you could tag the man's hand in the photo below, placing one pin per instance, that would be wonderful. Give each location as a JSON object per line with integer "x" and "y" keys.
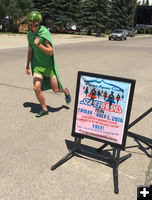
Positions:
{"x": 37, "y": 41}
{"x": 27, "y": 71}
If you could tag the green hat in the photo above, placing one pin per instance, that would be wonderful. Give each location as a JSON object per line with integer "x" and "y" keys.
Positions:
{"x": 34, "y": 15}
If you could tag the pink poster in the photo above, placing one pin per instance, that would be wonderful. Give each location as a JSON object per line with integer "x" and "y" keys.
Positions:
{"x": 102, "y": 108}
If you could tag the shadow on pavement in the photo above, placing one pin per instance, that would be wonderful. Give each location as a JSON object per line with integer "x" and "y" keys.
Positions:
{"x": 142, "y": 140}
{"x": 90, "y": 153}
{"x": 35, "y": 108}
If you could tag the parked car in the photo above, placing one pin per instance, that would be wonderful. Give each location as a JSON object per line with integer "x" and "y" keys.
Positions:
{"x": 131, "y": 32}
{"x": 118, "y": 34}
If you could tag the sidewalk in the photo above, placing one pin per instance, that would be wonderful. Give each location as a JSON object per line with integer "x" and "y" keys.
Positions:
{"x": 20, "y": 40}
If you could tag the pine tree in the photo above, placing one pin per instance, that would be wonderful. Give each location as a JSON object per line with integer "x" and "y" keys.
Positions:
{"x": 58, "y": 12}
{"x": 122, "y": 13}
{"x": 2, "y": 10}
{"x": 65, "y": 11}
{"x": 93, "y": 15}
{"x": 42, "y": 6}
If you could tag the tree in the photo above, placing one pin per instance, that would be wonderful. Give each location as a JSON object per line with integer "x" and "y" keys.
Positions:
{"x": 59, "y": 12}
{"x": 17, "y": 10}
{"x": 93, "y": 15}
{"x": 122, "y": 13}
{"x": 42, "y": 5}
{"x": 147, "y": 2}
{"x": 3, "y": 10}
{"x": 65, "y": 11}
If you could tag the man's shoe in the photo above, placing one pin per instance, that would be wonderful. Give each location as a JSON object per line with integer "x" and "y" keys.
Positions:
{"x": 68, "y": 97}
{"x": 42, "y": 113}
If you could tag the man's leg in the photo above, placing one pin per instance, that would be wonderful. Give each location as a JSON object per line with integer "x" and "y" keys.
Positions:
{"x": 55, "y": 88}
{"x": 37, "y": 81}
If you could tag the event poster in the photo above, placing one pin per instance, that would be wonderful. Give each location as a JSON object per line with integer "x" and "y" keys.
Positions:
{"x": 101, "y": 108}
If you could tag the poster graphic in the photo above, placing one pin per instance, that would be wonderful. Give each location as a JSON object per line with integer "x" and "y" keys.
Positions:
{"x": 101, "y": 108}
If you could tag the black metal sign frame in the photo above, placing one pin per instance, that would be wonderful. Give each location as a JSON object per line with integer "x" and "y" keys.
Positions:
{"x": 89, "y": 118}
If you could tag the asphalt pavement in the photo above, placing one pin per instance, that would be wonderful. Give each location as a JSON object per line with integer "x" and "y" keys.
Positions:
{"x": 30, "y": 146}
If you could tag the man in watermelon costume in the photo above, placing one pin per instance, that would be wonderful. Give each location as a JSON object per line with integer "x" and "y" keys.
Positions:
{"x": 41, "y": 55}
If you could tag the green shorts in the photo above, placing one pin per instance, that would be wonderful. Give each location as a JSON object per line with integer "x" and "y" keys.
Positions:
{"x": 46, "y": 71}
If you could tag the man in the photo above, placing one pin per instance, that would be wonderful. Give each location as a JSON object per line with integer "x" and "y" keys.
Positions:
{"x": 43, "y": 62}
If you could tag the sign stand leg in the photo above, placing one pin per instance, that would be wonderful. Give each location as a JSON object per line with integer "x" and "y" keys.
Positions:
{"x": 77, "y": 143}
{"x": 116, "y": 161}
{"x": 115, "y": 170}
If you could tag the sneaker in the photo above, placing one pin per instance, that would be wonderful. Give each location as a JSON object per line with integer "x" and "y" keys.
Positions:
{"x": 42, "y": 113}
{"x": 68, "y": 97}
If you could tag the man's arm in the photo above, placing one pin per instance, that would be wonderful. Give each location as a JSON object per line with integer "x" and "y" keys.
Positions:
{"x": 48, "y": 49}
{"x": 29, "y": 57}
